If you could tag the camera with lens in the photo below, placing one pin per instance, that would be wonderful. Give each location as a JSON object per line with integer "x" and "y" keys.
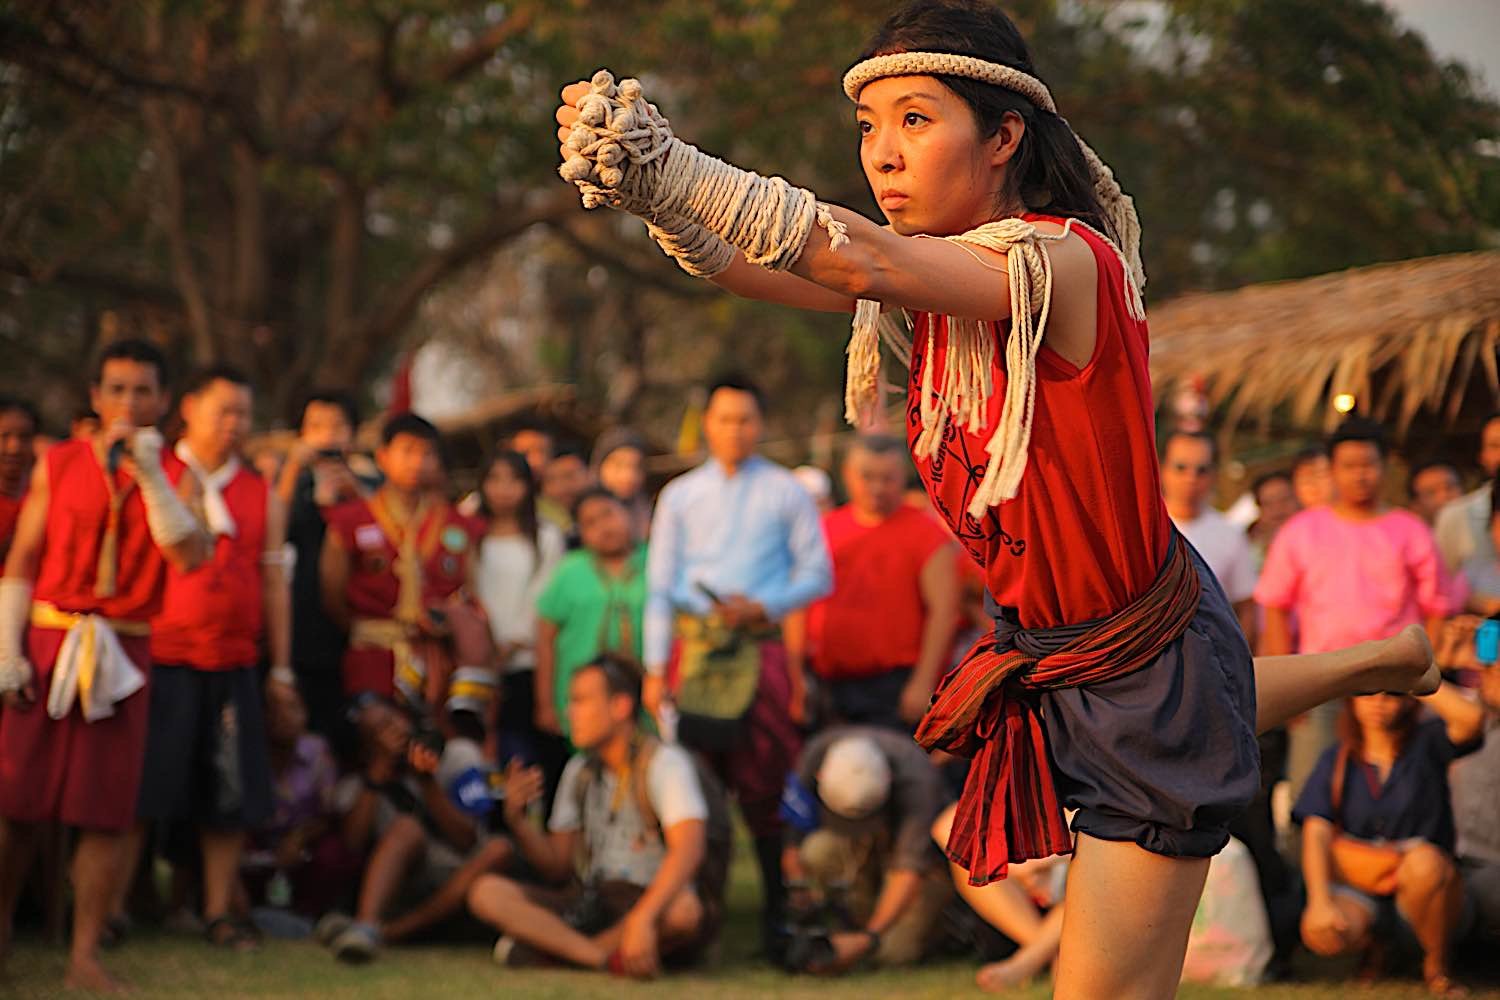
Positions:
{"x": 807, "y": 938}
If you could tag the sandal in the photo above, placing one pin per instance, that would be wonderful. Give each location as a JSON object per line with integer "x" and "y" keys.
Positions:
{"x": 225, "y": 931}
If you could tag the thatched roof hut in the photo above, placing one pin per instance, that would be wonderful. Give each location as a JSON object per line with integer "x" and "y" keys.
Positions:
{"x": 1406, "y": 339}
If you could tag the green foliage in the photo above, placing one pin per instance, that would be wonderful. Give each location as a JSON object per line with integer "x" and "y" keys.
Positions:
{"x": 283, "y": 185}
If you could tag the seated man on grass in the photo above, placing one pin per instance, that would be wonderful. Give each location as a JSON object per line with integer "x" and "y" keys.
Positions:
{"x": 635, "y": 811}
{"x": 425, "y": 850}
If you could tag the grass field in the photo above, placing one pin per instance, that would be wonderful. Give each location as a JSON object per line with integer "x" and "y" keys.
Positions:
{"x": 161, "y": 965}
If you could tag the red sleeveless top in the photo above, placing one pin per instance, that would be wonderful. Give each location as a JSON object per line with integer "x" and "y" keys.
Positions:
{"x": 10, "y": 513}
{"x": 211, "y": 617}
{"x": 444, "y": 540}
{"x": 1088, "y": 530}
{"x": 77, "y": 515}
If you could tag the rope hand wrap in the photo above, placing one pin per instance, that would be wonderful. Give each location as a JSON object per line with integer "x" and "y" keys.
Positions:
{"x": 622, "y": 153}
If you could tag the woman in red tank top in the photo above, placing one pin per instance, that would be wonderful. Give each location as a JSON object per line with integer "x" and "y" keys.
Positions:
{"x": 1117, "y": 682}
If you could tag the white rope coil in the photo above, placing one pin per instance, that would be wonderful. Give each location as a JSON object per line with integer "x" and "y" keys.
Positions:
{"x": 622, "y": 153}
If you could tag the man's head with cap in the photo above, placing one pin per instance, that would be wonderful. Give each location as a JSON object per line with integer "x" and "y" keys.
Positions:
{"x": 854, "y": 780}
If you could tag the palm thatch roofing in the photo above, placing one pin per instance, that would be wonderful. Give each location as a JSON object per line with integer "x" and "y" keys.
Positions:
{"x": 1414, "y": 337}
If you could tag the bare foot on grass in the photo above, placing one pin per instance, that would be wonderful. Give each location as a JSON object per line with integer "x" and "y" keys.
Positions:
{"x": 88, "y": 974}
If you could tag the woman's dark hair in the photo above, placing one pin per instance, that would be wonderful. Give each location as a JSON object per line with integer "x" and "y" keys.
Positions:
{"x": 526, "y": 513}
{"x": 1351, "y": 736}
{"x": 1048, "y": 173}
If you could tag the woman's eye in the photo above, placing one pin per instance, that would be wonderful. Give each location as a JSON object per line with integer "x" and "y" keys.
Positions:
{"x": 912, "y": 118}
{"x": 865, "y": 128}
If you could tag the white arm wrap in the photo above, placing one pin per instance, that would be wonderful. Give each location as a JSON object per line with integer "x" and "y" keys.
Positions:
{"x": 622, "y": 153}
{"x": 15, "y": 612}
{"x": 696, "y": 250}
{"x": 166, "y": 515}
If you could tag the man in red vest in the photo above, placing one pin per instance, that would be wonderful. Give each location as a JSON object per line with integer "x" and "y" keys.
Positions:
{"x": 392, "y": 570}
{"x": 206, "y": 751}
{"x": 85, "y": 571}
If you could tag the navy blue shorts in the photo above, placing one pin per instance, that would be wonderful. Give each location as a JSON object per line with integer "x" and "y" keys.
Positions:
{"x": 206, "y": 753}
{"x": 1165, "y": 757}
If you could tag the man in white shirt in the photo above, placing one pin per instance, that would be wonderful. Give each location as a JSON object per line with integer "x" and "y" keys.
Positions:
{"x": 1189, "y": 470}
{"x": 638, "y": 810}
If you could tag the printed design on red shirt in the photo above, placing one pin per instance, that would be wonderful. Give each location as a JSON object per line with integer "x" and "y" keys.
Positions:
{"x": 970, "y": 533}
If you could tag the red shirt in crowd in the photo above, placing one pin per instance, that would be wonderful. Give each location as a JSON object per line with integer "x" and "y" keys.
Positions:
{"x": 872, "y": 622}
{"x": 211, "y": 617}
{"x": 1088, "y": 531}
{"x": 372, "y": 537}
{"x": 10, "y": 513}
{"x": 78, "y": 514}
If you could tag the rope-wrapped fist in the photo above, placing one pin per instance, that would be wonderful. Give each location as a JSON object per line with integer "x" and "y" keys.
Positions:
{"x": 614, "y": 132}
{"x": 620, "y": 151}
{"x": 606, "y": 131}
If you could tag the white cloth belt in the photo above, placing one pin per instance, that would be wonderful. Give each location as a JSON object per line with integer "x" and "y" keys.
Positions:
{"x": 93, "y": 669}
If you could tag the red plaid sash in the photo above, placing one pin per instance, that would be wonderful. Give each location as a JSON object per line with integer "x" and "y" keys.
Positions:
{"x": 1009, "y": 810}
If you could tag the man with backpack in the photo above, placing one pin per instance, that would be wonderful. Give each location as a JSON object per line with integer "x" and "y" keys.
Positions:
{"x": 636, "y": 850}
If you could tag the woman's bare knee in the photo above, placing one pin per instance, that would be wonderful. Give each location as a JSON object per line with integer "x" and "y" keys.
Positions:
{"x": 1424, "y": 868}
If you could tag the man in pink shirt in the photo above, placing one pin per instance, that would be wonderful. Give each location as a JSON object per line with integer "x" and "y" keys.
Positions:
{"x": 1351, "y": 571}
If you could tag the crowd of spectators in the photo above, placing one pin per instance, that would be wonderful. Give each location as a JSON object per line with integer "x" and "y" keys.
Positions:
{"x": 380, "y": 711}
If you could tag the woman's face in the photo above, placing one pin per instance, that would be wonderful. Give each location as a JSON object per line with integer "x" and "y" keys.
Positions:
{"x": 503, "y": 489}
{"x": 928, "y": 167}
{"x": 1379, "y": 711}
{"x": 623, "y": 472}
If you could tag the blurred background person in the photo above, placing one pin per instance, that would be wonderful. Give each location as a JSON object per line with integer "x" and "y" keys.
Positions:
{"x": 19, "y": 425}
{"x": 1276, "y": 502}
{"x": 882, "y": 639}
{"x": 518, "y": 555}
{"x": 1189, "y": 473}
{"x": 619, "y": 465}
{"x": 736, "y": 548}
{"x": 860, "y": 806}
{"x": 1377, "y": 831}
{"x": 316, "y": 477}
{"x": 1431, "y": 487}
{"x": 1311, "y": 480}
{"x": 1463, "y": 527}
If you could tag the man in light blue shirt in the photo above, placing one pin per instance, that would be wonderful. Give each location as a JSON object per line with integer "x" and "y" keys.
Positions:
{"x": 737, "y": 541}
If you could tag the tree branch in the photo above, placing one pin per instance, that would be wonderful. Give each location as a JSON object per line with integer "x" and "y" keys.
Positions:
{"x": 394, "y": 310}
{"x": 174, "y": 205}
{"x": 68, "y": 58}
{"x": 123, "y": 286}
{"x": 478, "y": 52}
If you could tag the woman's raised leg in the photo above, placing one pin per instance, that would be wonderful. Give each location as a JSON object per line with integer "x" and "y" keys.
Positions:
{"x": 1287, "y": 686}
{"x": 1126, "y": 919}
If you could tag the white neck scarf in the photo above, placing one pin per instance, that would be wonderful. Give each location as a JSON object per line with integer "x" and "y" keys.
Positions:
{"x": 215, "y": 510}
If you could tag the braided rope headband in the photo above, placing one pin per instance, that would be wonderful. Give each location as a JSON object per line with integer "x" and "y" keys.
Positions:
{"x": 948, "y": 64}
